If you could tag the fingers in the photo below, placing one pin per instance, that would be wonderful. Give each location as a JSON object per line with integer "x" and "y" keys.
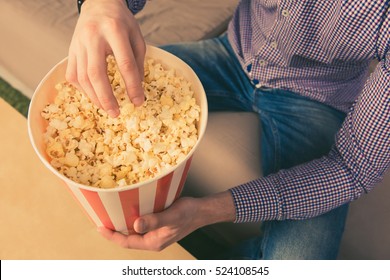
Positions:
{"x": 71, "y": 70}
{"x": 155, "y": 233}
{"x": 77, "y": 75}
{"x": 101, "y": 87}
{"x": 103, "y": 28}
{"x": 130, "y": 63}
{"x": 150, "y": 241}
{"x": 119, "y": 238}
{"x": 158, "y": 230}
{"x": 83, "y": 79}
{"x": 139, "y": 52}
{"x": 88, "y": 72}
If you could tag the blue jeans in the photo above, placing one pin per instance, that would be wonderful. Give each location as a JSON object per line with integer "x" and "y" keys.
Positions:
{"x": 294, "y": 130}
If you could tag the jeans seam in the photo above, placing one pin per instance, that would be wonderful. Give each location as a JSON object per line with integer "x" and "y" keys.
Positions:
{"x": 276, "y": 140}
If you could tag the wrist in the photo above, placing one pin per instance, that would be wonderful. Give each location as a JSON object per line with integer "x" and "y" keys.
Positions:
{"x": 216, "y": 208}
{"x": 80, "y": 3}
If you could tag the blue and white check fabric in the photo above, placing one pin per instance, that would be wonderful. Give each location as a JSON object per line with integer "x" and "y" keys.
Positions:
{"x": 136, "y": 5}
{"x": 321, "y": 50}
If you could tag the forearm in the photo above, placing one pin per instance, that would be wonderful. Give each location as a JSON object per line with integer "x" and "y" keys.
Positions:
{"x": 215, "y": 208}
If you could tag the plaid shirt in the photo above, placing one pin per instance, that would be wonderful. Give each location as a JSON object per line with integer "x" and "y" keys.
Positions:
{"x": 321, "y": 50}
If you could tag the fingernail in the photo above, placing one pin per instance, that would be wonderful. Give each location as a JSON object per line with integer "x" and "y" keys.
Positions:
{"x": 137, "y": 101}
{"x": 113, "y": 113}
{"x": 141, "y": 225}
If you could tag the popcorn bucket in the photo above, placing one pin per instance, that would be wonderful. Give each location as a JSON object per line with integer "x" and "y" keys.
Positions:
{"x": 117, "y": 208}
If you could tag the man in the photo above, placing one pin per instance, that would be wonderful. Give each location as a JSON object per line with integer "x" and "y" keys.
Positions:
{"x": 302, "y": 66}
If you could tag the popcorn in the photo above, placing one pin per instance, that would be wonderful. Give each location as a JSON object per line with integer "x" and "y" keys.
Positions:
{"x": 91, "y": 148}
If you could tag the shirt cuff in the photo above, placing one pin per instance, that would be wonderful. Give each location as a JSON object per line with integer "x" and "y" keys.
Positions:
{"x": 257, "y": 200}
{"x": 136, "y": 5}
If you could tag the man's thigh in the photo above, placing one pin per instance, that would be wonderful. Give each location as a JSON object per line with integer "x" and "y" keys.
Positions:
{"x": 296, "y": 130}
{"x": 226, "y": 85}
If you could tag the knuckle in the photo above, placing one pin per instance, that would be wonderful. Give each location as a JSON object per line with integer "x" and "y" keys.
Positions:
{"x": 85, "y": 34}
{"x": 93, "y": 73}
{"x": 124, "y": 244}
{"x": 126, "y": 65}
{"x": 135, "y": 89}
{"x": 89, "y": 30}
{"x": 106, "y": 101}
{"x": 71, "y": 77}
{"x": 83, "y": 78}
{"x": 112, "y": 25}
{"x": 92, "y": 97}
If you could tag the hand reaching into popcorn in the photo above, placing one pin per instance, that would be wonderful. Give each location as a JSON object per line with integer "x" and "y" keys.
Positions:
{"x": 91, "y": 148}
{"x": 106, "y": 27}
{"x": 157, "y": 231}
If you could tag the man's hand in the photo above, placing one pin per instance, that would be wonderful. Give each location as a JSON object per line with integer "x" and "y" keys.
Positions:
{"x": 157, "y": 231}
{"x": 106, "y": 27}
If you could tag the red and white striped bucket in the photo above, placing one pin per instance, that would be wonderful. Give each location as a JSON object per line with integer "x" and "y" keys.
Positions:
{"x": 117, "y": 208}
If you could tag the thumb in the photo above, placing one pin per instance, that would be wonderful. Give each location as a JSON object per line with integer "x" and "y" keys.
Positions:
{"x": 149, "y": 222}
{"x": 174, "y": 215}
{"x": 154, "y": 221}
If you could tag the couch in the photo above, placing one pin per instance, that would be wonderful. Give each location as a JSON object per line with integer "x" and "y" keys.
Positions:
{"x": 36, "y": 34}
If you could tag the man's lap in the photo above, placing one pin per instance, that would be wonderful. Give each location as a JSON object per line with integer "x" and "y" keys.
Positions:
{"x": 294, "y": 129}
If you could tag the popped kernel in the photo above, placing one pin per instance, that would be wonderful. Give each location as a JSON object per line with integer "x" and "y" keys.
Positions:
{"x": 91, "y": 148}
